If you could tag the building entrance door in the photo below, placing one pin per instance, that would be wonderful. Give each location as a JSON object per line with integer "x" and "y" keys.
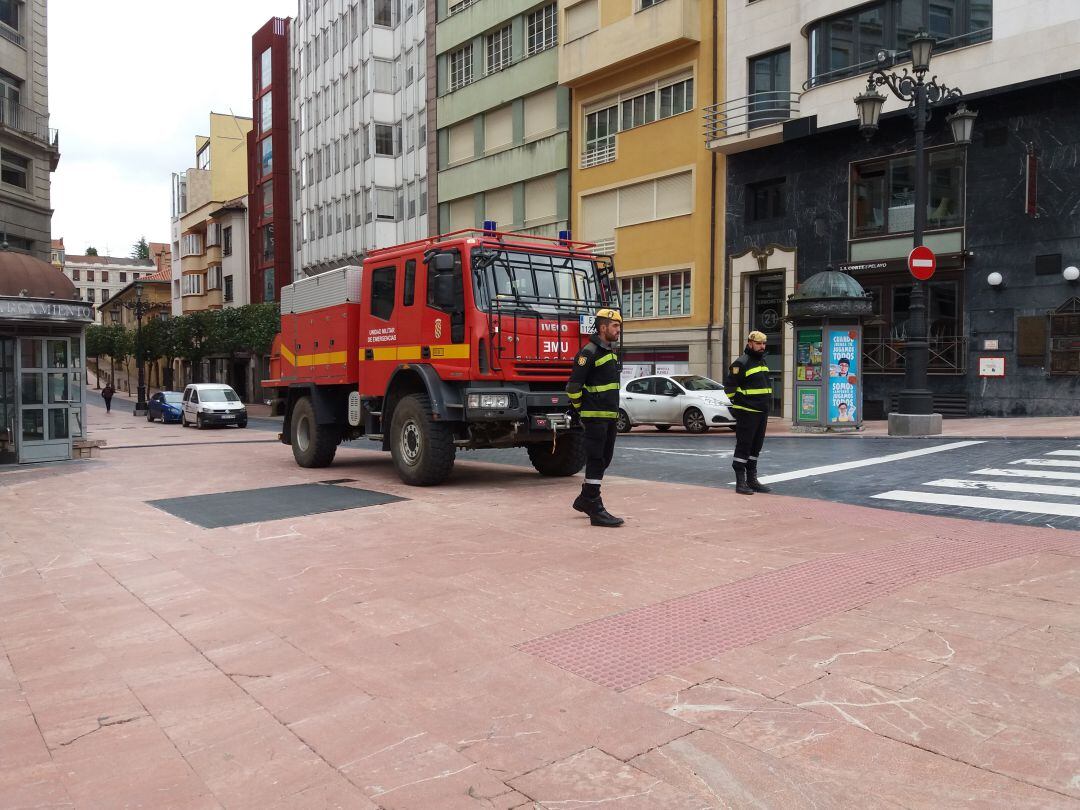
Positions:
{"x": 9, "y": 444}
{"x": 50, "y": 397}
{"x": 766, "y": 308}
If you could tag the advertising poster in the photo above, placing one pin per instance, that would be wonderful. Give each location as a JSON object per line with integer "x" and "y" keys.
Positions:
{"x": 844, "y": 354}
{"x": 808, "y": 355}
{"x": 808, "y": 403}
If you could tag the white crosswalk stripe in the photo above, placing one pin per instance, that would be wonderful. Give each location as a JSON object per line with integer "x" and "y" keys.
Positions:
{"x": 979, "y": 502}
{"x": 1064, "y": 453}
{"x": 1018, "y": 473}
{"x": 1046, "y": 462}
{"x": 1007, "y": 486}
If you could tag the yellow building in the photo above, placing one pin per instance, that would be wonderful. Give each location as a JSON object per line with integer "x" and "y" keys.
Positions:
{"x": 218, "y": 177}
{"x": 644, "y": 186}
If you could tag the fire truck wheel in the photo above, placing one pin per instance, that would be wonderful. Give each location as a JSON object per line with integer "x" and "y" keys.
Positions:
{"x": 568, "y": 458}
{"x": 423, "y": 449}
{"x": 313, "y": 445}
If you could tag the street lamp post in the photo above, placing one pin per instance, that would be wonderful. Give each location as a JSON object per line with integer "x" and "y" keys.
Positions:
{"x": 921, "y": 95}
{"x": 140, "y": 308}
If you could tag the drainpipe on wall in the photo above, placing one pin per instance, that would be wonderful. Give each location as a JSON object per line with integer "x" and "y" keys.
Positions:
{"x": 712, "y": 205}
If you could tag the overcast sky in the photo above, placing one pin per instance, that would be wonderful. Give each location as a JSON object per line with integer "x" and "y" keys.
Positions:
{"x": 131, "y": 83}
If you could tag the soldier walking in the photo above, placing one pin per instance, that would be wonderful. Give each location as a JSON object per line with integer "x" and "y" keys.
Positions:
{"x": 593, "y": 389}
{"x": 750, "y": 389}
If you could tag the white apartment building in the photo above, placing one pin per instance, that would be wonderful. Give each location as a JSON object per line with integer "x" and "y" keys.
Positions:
{"x": 99, "y": 278}
{"x": 359, "y": 129}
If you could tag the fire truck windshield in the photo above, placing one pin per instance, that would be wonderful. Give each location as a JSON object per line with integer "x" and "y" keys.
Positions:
{"x": 537, "y": 283}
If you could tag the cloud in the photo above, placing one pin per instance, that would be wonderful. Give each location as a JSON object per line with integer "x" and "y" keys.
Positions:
{"x": 131, "y": 83}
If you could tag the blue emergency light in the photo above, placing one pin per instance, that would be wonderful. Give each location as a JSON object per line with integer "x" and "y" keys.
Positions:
{"x": 490, "y": 226}
{"x": 564, "y": 236}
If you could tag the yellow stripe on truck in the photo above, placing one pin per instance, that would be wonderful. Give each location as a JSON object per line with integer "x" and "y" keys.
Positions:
{"x": 303, "y": 360}
{"x": 446, "y": 351}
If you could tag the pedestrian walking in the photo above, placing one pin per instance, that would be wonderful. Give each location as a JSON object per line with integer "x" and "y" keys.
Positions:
{"x": 593, "y": 389}
{"x": 107, "y": 395}
{"x": 750, "y": 389}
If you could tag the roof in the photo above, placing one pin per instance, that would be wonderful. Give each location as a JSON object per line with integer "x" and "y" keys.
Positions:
{"x": 164, "y": 274}
{"x": 58, "y": 244}
{"x": 23, "y": 275}
{"x": 123, "y": 291}
{"x": 114, "y": 260}
{"x": 235, "y": 204}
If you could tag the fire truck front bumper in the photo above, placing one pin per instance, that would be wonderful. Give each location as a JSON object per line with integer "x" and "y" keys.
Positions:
{"x": 539, "y": 410}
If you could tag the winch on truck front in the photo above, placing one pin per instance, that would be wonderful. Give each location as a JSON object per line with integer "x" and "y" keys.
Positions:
{"x": 464, "y": 340}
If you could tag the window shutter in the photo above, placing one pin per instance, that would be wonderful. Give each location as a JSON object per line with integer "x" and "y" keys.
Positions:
{"x": 498, "y": 128}
{"x": 637, "y": 203}
{"x": 462, "y": 214}
{"x": 582, "y": 19}
{"x": 599, "y": 213}
{"x": 499, "y": 207}
{"x": 1031, "y": 340}
{"x": 461, "y": 142}
{"x": 540, "y": 113}
{"x": 674, "y": 195}
{"x": 540, "y": 198}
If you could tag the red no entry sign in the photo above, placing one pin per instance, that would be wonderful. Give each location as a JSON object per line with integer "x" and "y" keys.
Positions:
{"x": 922, "y": 262}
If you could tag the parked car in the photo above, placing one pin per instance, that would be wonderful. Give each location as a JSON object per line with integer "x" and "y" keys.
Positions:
{"x": 207, "y": 404}
{"x": 165, "y": 405}
{"x": 697, "y": 403}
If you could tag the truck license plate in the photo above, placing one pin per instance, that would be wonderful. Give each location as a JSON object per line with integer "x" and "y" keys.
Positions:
{"x": 587, "y": 324}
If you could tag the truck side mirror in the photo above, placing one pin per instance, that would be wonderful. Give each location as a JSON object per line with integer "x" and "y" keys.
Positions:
{"x": 442, "y": 262}
{"x": 444, "y": 290}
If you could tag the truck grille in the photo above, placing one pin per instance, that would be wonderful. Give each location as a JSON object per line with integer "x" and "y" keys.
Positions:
{"x": 551, "y": 368}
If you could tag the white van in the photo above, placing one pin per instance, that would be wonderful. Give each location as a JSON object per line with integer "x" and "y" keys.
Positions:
{"x": 208, "y": 404}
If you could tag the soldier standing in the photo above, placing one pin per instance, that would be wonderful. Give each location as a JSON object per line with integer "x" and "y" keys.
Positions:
{"x": 750, "y": 389}
{"x": 593, "y": 389}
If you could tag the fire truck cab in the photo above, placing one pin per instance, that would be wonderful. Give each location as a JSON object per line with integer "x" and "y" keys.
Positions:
{"x": 459, "y": 341}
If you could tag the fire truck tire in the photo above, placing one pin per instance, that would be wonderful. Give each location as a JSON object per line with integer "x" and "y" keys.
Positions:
{"x": 313, "y": 445}
{"x": 423, "y": 449}
{"x": 568, "y": 458}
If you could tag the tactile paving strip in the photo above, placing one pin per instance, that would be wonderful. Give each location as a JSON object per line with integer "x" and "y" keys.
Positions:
{"x": 630, "y": 648}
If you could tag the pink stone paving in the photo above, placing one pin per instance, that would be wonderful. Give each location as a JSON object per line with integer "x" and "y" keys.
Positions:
{"x": 480, "y": 646}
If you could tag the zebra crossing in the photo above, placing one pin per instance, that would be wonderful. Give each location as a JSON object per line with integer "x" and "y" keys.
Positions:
{"x": 1047, "y": 485}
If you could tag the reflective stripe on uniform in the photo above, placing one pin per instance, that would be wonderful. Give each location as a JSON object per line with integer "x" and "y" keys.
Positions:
{"x": 599, "y": 415}
{"x": 744, "y": 408}
{"x": 756, "y": 369}
{"x": 573, "y": 394}
{"x": 596, "y": 389}
{"x": 601, "y": 360}
{"x": 750, "y": 392}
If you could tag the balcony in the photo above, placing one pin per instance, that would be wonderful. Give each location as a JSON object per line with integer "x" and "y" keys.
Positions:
{"x": 750, "y": 122}
{"x": 22, "y": 119}
{"x": 947, "y": 355}
{"x": 644, "y": 33}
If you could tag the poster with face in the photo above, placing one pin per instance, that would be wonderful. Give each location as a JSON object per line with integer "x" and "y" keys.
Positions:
{"x": 844, "y": 353}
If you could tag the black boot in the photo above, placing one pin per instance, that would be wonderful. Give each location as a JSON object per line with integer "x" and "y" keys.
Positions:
{"x": 589, "y": 499}
{"x": 752, "y": 480}
{"x": 602, "y": 517}
{"x": 584, "y": 504}
{"x": 741, "y": 486}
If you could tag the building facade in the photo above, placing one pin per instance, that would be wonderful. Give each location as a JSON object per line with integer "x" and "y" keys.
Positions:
{"x": 98, "y": 278}
{"x": 360, "y": 140}
{"x": 503, "y": 123}
{"x": 29, "y": 148}
{"x": 205, "y": 201}
{"x": 644, "y": 186}
{"x": 805, "y": 191}
{"x": 270, "y": 232}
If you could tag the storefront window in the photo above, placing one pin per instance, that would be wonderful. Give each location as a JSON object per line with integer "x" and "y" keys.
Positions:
{"x": 883, "y": 194}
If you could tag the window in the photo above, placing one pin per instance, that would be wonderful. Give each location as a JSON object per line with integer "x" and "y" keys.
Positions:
{"x": 202, "y": 158}
{"x": 541, "y": 29}
{"x": 213, "y": 234}
{"x": 75, "y": 274}
{"x": 498, "y": 49}
{"x": 104, "y": 276}
{"x": 386, "y": 12}
{"x": 266, "y": 105}
{"x": 226, "y": 241}
{"x": 410, "y": 283}
{"x": 192, "y": 284}
{"x": 268, "y": 284}
{"x": 213, "y": 277}
{"x": 104, "y": 296}
{"x": 581, "y": 19}
{"x": 387, "y": 140}
{"x": 649, "y": 4}
{"x": 90, "y": 275}
{"x": 633, "y": 204}
{"x": 9, "y": 13}
{"x": 847, "y": 44}
{"x": 268, "y": 199}
{"x": 769, "y": 88}
{"x": 90, "y": 294}
{"x": 228, "y": 292}
{"x": 383, "y": 284}
{"x": 266, "y": 151}
{"x": 267, "y": 239}
{"x": 14, "y": 169}
{"x": 600, "y": 129}
{"x": 461, "y": 5}
{"x": 665, "y": 98}
{"x": 383, "y": 79}
{"x": 765, "y": 200}
{"x": 385, "y": 203}
{"x": 191, "y": 244}
{"x": 662, "y": 295}
{"x": 883, "y": 193}
{"x": 264, "y": 70}
{"x": 461, "y": 70}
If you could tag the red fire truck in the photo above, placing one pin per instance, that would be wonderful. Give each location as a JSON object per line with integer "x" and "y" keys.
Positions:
{"x": 458, "y": 341}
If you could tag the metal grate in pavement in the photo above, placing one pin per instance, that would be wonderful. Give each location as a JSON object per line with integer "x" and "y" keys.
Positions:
{"x": 630, "y": 648}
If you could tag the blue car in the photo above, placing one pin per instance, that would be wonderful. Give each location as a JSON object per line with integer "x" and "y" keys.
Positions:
{"x": 165, "y": 405}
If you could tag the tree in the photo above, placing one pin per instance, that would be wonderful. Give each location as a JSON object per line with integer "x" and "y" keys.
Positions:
{"x": 91, "y": 251}
{"x": 258, "y": 325}
{"x": 119, "y": 343}
{"x": 140, "y": 250}
{"x": 194, "y": 333}
{"x": 97, "y": 345}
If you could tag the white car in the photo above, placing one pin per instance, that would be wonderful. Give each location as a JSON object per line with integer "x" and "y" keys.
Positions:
{"x": 207, "y": 404}
{"x": 697, "y": 403}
